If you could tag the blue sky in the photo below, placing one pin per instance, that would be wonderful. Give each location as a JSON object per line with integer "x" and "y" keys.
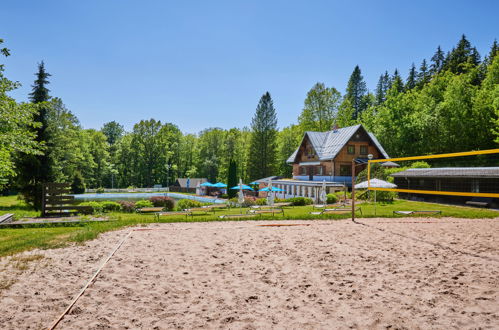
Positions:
{"x": 203, "y": 64}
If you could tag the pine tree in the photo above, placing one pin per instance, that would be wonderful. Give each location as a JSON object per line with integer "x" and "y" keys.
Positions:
{"x": 40, "y": 92}
{"x": 356, "y": 90}
{"x": 437, "y": 61}
{"x": 263, "y": 139}
{"x": 397, "y": 82}
{"x": 462, "y": 56}
{"x": 494, "y": 51}
{"x": 411, "y": 78}
{"x": 380, "y": 89}
{"x": 232, "y": 179}
{"x": 34, "y": 171}
{"x": 423, "y": 75}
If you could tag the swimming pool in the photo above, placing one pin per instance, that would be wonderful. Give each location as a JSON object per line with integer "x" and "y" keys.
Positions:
{"x": 139, "y": 196}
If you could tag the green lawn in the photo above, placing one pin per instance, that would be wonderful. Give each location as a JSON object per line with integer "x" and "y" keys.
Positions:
{"x": 17, "y": 240}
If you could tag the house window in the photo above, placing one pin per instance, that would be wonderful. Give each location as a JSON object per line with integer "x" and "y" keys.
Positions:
{"x": 475, "y": 186}
{"x": 318, "y": 171}
{"x": 345, "y": 170}
{"x": 303, "y": 170}
{"x": 363, "y": 150}
{"x": 351, "y": 150}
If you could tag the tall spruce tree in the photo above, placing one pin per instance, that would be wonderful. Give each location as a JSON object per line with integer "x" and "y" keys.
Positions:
{"x": 262, "y": 152}
{"x": 35, "y": 170}
{"x": 437, "y": 61}
{"x": 397, "y": 81}
{"x": 424, "y": 74}
{"x": 411, "y": 78}
{"x": 462, "y": 56}
{"x": 356, "y": 90}
{"x": 232, "y": 178}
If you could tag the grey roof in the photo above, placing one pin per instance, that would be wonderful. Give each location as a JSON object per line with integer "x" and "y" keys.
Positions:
{"x": 450, "y": 172}
{"x": 265, "y": 180}
{"x": 192, "y": 184}
{"x": 328, "y": 144}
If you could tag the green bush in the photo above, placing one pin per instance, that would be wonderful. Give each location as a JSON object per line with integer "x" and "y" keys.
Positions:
{"x": 331, "y": 198}
{"x": 261, "y": 201}
{"x": 96, "y": 206}
{"x": 109, "y": 206}
{"x": 167, "y": 203}
{"x": 299, "y": 201}
{"x": 100, "y": 190}
{"x": 248, "y": 201}
{"x": 143, "y": 203}
{"x": 341, "y": 195}
{"x": 187, "y": 204}
{"x": 127, "y": 206}
{"x": 78, "y": 184}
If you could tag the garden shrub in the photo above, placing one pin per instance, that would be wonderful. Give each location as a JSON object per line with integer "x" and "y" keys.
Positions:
{"x": 127, "y": 206}
{"x": 261, "y": 201}
{"x": 99, "y": 190}
{"x": 143, "y": 203}
{"x": 187, "y": 204}
{"x": 96, "y": 206}
{"x": 109, "y": 206}
{"x": 331, "y": 198}
{"x": 248, "y": 201}
{"x": 167, "y": 203}
{"x": 299, "y": 201}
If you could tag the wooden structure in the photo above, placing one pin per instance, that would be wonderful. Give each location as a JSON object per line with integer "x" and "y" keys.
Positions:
{"x": 329, "y": 155}
{"x": 56, "y": 201}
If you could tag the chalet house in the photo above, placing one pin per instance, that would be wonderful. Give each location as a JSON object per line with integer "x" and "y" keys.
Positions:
{"x": 328, "y": 155}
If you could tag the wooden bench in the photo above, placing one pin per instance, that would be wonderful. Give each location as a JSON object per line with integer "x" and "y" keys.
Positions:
{"x": 337, "y": 211}
{"x": 6, "y": 217}
{"x": 416, "y": 212}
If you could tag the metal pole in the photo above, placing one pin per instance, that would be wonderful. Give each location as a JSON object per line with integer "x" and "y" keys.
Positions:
{"x": 353, "y": 189}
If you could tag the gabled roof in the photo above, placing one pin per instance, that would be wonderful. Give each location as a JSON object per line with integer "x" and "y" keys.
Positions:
{"x": 328, "y": 144}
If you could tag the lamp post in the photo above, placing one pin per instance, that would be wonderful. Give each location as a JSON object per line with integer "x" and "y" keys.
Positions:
{"x": 370, "y": 156}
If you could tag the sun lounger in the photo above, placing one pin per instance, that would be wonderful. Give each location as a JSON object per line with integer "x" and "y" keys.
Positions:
{"x": 416, "y": 212}
{"x": 477, "y": 201}
{"x": 228, "y": 216}
{"x": 6, "y": 217}
{"x": 150, "y": 209}
{"x": 266, "y": 211}
{"x": 215, "y": 207}
{"x": 337, "y": 211}
{"x": 161, "y": 214}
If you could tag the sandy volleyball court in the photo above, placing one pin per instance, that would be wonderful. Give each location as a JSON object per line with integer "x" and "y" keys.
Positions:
{"x": 383, "y": 273}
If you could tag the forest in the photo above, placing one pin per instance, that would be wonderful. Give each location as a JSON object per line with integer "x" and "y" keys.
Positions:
{"x": 448, "y": 103}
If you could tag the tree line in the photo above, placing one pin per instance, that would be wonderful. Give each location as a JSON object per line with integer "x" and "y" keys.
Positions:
{"x": 449, "y": 103}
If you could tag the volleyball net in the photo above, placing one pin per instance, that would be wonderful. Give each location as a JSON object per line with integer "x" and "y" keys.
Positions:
{"x": 466, "y": 174}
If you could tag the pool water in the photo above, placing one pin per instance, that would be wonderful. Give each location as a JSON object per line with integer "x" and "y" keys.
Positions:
{"x": 139, "y": 196}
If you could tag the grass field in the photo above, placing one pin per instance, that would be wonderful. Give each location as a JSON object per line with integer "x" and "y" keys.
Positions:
{"x": 17, "y": 240}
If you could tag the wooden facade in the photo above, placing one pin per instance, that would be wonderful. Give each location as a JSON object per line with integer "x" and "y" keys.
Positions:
{"x": 359, "y": 146}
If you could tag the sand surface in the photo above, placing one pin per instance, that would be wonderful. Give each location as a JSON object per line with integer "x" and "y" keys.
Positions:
{"x": 384, "y": 273}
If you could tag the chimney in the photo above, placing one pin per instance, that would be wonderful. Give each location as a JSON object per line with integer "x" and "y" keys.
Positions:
{"x": 335, "y": 127}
